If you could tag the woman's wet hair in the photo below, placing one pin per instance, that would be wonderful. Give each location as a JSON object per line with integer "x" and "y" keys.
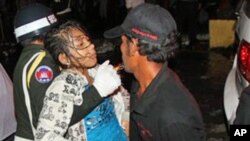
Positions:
{"x": 58, "y": 40}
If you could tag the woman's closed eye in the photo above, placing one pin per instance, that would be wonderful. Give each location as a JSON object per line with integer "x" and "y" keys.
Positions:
{"x": 83, "y": 46}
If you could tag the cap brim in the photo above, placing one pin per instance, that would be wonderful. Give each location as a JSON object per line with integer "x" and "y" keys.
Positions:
{"x": 113, "y": 33}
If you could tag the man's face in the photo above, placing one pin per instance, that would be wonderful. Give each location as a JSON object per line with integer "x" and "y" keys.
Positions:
{"x": 126, "y": 55}
{"x": 82, "y": 50}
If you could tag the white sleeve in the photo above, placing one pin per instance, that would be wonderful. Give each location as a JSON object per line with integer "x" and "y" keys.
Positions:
{"x": 7, "y": 116}
{"x": 56, "y": 113}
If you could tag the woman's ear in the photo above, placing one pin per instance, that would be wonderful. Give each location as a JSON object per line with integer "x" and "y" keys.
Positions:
{"x": 63, "y": 59}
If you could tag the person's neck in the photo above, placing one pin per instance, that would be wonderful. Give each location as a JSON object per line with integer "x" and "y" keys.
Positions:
{"x": 145, "y": 73}
{"x": 86, "y": 74}
{"x": 38, "y": 42}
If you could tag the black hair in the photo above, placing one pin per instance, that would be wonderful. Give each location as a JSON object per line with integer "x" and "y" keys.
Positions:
{"x": 57, "y": 40}
{"x": 30, "y": 40}
{"x": 156, "y": 52}
{"x": 106, "y": 50}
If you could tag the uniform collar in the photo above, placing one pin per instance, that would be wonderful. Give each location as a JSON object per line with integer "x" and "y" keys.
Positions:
{"x": 34, "y": 47}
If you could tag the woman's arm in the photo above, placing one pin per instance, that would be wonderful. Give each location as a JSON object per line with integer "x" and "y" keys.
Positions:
{"x": 56, "y": 113}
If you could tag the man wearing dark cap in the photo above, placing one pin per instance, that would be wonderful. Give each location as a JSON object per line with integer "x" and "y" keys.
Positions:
{"x": 36, "y": 69}
{"x": 162, "y": 109}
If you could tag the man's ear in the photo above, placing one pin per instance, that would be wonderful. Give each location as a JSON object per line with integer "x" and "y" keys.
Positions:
{"x": 63, "y": 59}
{"x": 134, "y": 46}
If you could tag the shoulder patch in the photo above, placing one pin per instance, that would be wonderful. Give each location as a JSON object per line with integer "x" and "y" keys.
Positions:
{"x": 44, "y": 74}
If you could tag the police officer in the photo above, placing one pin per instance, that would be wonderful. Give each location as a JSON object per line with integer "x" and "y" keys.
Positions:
{"x": 36, "y": 69}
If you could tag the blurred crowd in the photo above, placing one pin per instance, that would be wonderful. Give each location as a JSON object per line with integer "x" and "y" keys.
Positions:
{"x": 100, "y": 15}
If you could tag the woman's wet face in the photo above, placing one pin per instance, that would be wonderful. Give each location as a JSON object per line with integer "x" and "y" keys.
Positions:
{"x": 82, "y": 49}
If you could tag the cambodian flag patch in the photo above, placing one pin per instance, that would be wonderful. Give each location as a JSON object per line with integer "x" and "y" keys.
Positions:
{"x": 44, "y": 74}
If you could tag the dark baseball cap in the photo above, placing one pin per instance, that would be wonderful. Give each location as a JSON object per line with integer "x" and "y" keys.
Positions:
{"x": 148, "y": 22}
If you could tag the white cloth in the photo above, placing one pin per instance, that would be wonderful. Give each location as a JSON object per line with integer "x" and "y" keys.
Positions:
{"x": 121, "y": 102}
{"x": 7, "y": 116}
{"x": 133, "y": 3}
{"x": 106, "y": 73}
